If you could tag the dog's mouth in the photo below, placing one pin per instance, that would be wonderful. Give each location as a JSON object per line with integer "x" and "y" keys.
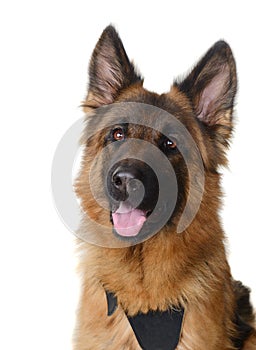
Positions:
{"x": 128, "y": 221}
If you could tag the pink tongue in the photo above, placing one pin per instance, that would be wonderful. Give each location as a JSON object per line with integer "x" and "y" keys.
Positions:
{"x": 128, "y": 223}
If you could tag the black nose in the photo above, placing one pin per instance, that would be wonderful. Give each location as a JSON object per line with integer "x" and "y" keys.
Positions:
{"x": 120, "y": 180}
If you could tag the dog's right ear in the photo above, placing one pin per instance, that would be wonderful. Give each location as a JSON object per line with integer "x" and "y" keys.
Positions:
{"x": 110, "y": 71}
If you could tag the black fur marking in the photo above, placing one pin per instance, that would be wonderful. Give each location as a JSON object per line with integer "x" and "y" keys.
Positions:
{"x": 244, "y": 314}
{"x": 244, "y": 331}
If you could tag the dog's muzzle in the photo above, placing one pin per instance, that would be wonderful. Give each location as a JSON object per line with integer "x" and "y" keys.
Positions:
{"x": 133, "y": 193}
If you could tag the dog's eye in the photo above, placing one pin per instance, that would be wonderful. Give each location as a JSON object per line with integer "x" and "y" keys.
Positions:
{"x": 118, "y": 134}
{"x": 169, "y": 144}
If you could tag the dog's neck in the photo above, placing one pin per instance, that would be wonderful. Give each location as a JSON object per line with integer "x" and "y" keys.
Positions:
{"x": 177, "y": 263}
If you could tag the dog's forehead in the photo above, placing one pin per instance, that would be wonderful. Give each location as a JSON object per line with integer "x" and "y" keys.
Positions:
{"x": 143, "y": 132}
{"x": 174, "y": 102}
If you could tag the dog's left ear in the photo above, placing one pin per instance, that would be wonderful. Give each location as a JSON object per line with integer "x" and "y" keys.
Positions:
{"x": 211, "y": 87}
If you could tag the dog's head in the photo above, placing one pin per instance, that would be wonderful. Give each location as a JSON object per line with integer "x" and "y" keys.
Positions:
{"x": 124, "y": 180}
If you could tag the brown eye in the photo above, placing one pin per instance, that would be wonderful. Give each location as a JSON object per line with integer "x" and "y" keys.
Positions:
{"x": 169, "y": 144}
{"x": 118, "y": 134}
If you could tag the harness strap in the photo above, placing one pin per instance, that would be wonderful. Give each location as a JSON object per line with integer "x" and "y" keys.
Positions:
{"x": 155, "y": 330}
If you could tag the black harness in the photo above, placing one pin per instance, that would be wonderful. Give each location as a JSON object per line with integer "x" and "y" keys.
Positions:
{"x": 158, "y": 330}
{"x": 155, "y": 330}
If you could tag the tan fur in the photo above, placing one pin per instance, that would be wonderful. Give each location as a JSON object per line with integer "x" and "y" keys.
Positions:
{"x": 168, "y": 270}
{"x": 250, "y": 344}
{"x": 154, "y": 275}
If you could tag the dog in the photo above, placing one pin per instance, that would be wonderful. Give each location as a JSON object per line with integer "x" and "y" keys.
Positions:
{"x": 150, "y": 278}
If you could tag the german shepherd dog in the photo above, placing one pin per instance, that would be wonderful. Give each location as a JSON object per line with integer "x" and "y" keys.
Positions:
{"x": 148, "y": 281}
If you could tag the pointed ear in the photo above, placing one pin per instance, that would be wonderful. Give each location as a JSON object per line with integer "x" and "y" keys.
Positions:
{"x": 110, "y": 70}
{"x": 211, "y": 87}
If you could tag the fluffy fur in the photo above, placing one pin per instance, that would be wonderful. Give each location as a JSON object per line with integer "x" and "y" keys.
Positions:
{"x": 169, "y": 269}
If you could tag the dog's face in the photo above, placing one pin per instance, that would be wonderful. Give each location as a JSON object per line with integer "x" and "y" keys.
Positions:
{"x": 124, "y": 176}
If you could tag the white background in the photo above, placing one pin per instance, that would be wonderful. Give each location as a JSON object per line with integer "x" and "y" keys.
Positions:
{"x": 45, "y": 49}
